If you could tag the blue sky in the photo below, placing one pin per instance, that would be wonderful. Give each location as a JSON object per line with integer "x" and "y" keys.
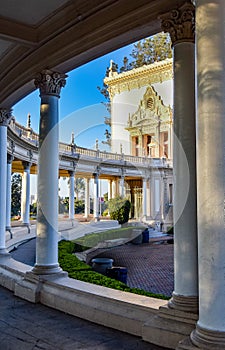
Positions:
{"x": 80, "y": 107}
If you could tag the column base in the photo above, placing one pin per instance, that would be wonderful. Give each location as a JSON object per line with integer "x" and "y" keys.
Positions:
{"x": 96, "y": 219}
{"x": 207, "y": 339}
{"x": 4, "y": 253}
{"x": 184, "y": 303}
{"x": 169, "y": 327}
{"x": 186, "y": 344}
{"x": 47, "y": 269}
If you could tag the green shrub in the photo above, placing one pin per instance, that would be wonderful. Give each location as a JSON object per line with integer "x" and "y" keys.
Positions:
{"x": 79, "y": 270}
{"x": 79, "y": 206}
{"x": 119, "y": 209}
{"x": 105, "y": 212}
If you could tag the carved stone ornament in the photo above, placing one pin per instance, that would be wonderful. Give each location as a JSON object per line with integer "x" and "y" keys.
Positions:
{"x": 151, "y": 111}
{"x": 139, "y": 77}
{"x": 50, "y": 83}
{"x": 5, "y": 116}
{"x": 180, "y": 24}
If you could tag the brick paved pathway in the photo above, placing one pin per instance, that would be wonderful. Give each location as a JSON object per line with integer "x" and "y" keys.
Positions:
{"x": 149, "y": 266}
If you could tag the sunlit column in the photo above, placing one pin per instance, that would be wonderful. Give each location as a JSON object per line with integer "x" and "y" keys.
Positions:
{"x": 49, "y": 84}
{"x": 210, "y": 36}
{"x": 8, "y": 193}
{"x": 121, "y": 186}
{"x": 71, "y": 196}
{"x": 180, "y": 24}
{"x": 25, "y": 196}
{"x": 96, "y": 197}
{"x": 144, "y": 198}
{"x": 148, "y": 197}
{"x": 109, "y": 189}
{"x": 5, "y": 117}
{"x": 87, "y": 197}
{"x": 114, "y": 188}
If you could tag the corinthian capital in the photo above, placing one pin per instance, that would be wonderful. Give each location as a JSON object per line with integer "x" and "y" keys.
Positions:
{"x": 180, "y": 24}
{"x": 50, "y": 83}
{"x": 5, "y": 116}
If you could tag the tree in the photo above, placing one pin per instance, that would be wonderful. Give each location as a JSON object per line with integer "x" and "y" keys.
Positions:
{"x": 16, "y": 194}
{"x": 153, "y": 49}
{"x": 79, "y": 187}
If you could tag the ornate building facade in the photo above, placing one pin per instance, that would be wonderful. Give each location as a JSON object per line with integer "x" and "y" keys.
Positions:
{"x": 141, "y": 126}
{"x": 141, "y": 113}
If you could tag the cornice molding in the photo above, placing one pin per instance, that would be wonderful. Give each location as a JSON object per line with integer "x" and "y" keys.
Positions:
{"x": 139, "y": 77}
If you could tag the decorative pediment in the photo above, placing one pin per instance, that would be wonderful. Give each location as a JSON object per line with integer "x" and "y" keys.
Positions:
{"x": 150, "y": 110}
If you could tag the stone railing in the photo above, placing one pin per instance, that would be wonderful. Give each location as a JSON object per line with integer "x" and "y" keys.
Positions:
{"x": 70, "y": 149}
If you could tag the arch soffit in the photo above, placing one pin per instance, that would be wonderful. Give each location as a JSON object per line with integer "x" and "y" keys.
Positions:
{"x": 70, "y": 36}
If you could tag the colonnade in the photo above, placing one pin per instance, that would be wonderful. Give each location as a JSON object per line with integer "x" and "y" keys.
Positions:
{"x": 199, "y": 68}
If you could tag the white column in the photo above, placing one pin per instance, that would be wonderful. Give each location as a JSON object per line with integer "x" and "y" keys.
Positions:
{"x": 5, "y": 117}
{"x": 87, "y": 197}
{"x": 25, "y": 196}
{"x": 109, "y": 189}
{"x": 71, "y": 196}
{"x": 180, "y": 25}
{"x": 144, "y": 198}
{"x": 114, "y": 188}
{"x": 8, "y": 193}
{"x": 50, "y": 84}
{"x": 148, "y": 197}
{"x": 96, "y": 197}
{"x": 121, "y": 186}
{"x": 210, "y": 36}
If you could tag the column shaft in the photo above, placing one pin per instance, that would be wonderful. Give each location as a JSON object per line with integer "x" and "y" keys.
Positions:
{"x": 71, "y": 196}
{"x": 50, "y": 84}
{"x": 180, "y": 25}
{"x": 184, "y": 157}
{"x": 96, "y": 197}
{"x": 114, "y": 188}
{"x": 8, "y": 193}
{"x": 109, "y": 189}
{"x": 3, "y": 172}
{"x": 121, "y": 187}
{"x": 25, "y": 200}
{"x": 87, "y": 197}
{"x": 144, "y": 198}
{"x": 210, "y": 35}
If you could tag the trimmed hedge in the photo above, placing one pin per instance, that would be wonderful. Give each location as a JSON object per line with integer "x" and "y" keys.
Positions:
{"x": 79, "y": 270}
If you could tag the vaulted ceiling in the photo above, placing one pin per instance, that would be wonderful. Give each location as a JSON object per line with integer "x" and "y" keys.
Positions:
{"x": 64, "y": 34}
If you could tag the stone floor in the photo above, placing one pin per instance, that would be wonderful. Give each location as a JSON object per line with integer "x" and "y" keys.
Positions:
{"x": 26, "y": 326}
